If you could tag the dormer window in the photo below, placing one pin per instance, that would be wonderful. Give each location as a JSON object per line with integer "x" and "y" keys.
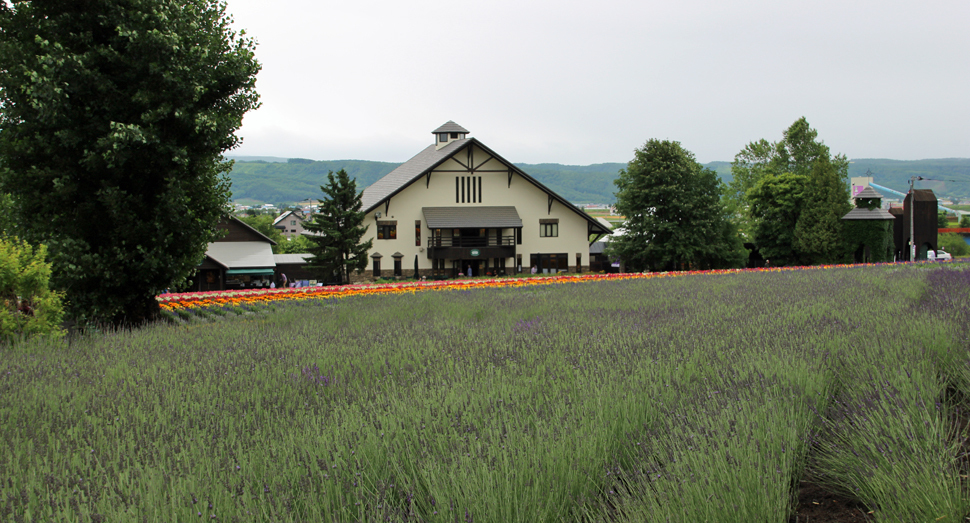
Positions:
{"x": 454, "y": 136}
{"x": 442, "y": 137}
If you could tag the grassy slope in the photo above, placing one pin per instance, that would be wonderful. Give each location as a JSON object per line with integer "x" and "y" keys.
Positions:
{"x": 684, "y": 399}
{"x": 277, "y": 181}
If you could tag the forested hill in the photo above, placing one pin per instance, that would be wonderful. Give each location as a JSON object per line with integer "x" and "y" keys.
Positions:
{"x": 278, "y": 180}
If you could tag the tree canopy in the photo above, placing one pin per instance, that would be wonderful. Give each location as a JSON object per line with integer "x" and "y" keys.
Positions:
{"x": 791, "y": 196}
{"x": 115, "y": 114}
{"x": 338, "y": 228}
{"x": 674, "y": 216}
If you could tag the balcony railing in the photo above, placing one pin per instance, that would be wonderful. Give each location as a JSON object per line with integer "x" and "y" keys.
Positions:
{"x": 471, "y": 241}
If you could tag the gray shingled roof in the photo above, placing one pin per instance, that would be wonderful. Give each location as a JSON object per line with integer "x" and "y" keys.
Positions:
{"x": 429, "y": 158}
{"x": 450, "y": 127}
{"x": 406, "y": 172}
{"x": 868, "y": 192}
{"x": 868, "y": 214}
{"x": 291, "y": 258}
{"x": 471, "y": 217}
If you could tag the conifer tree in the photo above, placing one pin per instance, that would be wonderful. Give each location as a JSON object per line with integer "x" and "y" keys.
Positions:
{"x": 338, "y": 227}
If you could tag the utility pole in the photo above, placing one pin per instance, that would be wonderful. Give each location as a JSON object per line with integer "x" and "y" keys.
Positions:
{"x": 912, "y": 220}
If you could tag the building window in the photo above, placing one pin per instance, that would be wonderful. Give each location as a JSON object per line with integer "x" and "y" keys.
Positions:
{"x": 549, "y": 263}
{"x": 454, "y": 136}
{"x": 468, "y": 189}
{"x": 397, "y": 267}
{"x": 549, "y": 228}
{"x": 442, "y": 137}
{"x": 377, "y": 265}
{"x": 417, "y": 233}
{"x": 292, "y": 222}
{"x": 387, "y": 230}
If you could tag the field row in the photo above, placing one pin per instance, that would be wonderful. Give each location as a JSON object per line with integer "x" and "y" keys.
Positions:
{"x": 682, "y": 399}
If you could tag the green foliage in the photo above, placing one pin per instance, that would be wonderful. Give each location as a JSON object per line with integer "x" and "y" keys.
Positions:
{"x": 295, "y": 245}
{"x": 115, "y": 115}
{"x": 896, "y": 174}
{"x": 953, "y": 243}
{"x": 674, "y": 216}
{"x": 775, "y": 205}
{"x": 339, "y": 225}
{"x": 28, "y": 307}
{"x": 295, "y": 181}
{"x": 877, "y": 235}
{"x": 942, "y": 221}
{"x": 965, "y": 221}
{"x": 818, "y": 231}
{"x": 264, "y": 224}
{"x": 792, "y": 194}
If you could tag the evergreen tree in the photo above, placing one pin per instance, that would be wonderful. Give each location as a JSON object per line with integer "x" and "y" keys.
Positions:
{"x": 338, "y": 227}
{"x": 114, "y": 115}
{"x": 818, "y": 232}
{"x": 674, "y": 216}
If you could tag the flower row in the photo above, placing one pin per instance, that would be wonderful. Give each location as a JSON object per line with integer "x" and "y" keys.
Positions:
{"x": 194, "y": 300}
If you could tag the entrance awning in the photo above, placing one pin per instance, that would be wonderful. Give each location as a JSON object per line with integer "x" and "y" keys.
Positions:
{"x": 252, "y": 272}
{"x": 471, "y": 217}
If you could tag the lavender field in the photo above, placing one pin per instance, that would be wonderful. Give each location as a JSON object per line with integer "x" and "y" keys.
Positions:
{"x": 700, "y": 398}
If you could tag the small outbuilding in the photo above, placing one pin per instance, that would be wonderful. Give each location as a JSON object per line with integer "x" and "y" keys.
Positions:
{"x": 869, "y": 228}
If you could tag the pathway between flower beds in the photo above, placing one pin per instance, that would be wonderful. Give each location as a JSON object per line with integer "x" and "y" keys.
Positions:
{"x": 190, "y": 300}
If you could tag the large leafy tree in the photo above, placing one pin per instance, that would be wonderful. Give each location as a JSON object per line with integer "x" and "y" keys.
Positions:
{"x": 115, "y": 114}
{"x": 791, "y": 195}
{"x": 819, "y": 232}
{"x": 338, "y": 229}
{"x": 674, "y": 216}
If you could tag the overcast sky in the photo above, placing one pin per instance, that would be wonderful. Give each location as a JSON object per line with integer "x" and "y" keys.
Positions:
{"x": 580, "y": 82}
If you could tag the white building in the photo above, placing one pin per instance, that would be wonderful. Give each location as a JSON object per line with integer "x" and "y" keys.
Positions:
{"x": 457, "y": 206}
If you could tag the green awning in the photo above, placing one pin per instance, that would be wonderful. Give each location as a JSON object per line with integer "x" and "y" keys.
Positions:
{"x": 254, "y": 272}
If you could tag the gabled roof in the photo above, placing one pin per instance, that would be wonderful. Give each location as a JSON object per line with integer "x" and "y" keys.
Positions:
{"x": 924, "y": 195}
{"x": 868, "y": 193}
{"x": 291, "y": 258}
{"x": 450, "y": 127}
{"x": 285, "y": 214}
{"x": 251, "y": 228}
{"x": 860, "y": 213}
{"x": 430, "y": 158}
{"x": 233, "y": 255}
{"x": 409, "y": 171}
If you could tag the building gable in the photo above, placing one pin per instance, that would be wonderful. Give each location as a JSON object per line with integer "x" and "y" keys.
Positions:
{"x": 462, "y": 163}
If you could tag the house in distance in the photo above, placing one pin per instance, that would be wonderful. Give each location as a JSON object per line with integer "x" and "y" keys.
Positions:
{"x": 457, "y": 208}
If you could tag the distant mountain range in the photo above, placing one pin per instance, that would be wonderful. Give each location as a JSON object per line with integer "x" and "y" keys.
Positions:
{"x": 269, "y": 179}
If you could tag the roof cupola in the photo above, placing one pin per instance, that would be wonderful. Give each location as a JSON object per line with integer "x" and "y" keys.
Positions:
{"x": 447, "y": 133}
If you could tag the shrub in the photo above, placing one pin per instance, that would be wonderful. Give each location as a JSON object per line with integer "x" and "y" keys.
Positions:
{"x": 954, "y": 244}
{"x": 29, "y": 307}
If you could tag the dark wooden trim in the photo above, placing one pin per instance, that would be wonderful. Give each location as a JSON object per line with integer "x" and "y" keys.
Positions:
{"x": 427, "y": 180}
{"x": 386, "y": 222}
{"x": 549, "y": 210}
{"x": 510, "y": 178}
{"x": 387, "y": 206}
{"x": 548, "y": 220}
{"x": 483, "y": 163}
